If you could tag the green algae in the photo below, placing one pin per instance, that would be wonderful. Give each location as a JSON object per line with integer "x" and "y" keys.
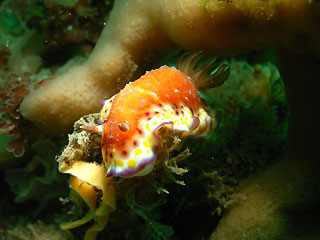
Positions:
{"x": 37, "y": 180}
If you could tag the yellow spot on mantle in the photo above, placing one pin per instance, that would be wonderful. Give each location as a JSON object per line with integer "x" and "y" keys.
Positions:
{"x": 148, "y": 127}
{"x": 146, "y": 144}
{"x": 131, "y": 163}
{"x": 137, "y": 152}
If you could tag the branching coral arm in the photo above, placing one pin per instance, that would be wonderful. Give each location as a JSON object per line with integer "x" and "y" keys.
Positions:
{"x": 140, "y": 32}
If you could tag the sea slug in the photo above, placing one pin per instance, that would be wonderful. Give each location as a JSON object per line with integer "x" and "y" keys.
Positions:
{"x": 162, "y": 102}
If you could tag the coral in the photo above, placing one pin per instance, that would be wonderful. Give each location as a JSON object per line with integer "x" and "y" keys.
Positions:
{"x": 139, "y": 33}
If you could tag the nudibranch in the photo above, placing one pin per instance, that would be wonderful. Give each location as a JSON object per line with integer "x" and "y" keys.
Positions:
{"x": 162, "y": 102}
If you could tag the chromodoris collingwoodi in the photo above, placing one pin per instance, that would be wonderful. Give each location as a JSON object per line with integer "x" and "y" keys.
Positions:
{"x": 165, "y": 99}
